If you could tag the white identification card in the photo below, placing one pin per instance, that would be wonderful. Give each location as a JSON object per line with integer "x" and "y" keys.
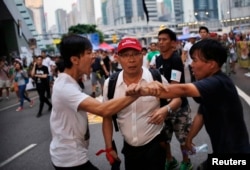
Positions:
{"x": 176, "y": 75}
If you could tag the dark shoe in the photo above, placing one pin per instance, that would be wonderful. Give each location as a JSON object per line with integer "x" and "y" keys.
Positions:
{"x": 48, "y": 96}
{"x": 50, "y": 108}
{"x": 39, "y": 115}
{"x": 233, "y": 72}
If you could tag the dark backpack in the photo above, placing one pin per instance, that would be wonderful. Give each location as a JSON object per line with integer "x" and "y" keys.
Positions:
{"x": 111, "y": 90}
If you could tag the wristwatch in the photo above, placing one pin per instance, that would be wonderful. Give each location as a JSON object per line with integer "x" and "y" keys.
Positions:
{"x": 169, "y": 109}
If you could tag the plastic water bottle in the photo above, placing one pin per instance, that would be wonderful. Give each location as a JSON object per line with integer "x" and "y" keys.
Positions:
{"x": 201, "y": 148}
{"x": 197, "y": 149}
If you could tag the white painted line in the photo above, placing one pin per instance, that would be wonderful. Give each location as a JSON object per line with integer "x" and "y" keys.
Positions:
{"x": 243, "y": 95}
{"x": 17, "y": 155}
{"x": 17, "y": 104}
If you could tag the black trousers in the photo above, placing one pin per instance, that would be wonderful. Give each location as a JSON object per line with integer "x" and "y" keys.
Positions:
{"x": 87, "y": 166}
{"x": 48, "y": 92}
{"x": 151, "y": 156}
{"x": 41, "y": 92}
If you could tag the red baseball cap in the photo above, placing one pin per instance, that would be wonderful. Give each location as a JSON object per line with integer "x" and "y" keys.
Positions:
{"x": 129, "y": 43}
{"x": 213, "y": 34}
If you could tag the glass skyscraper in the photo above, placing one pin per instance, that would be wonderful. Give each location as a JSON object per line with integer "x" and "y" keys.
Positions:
{"x": 206, "y": 10}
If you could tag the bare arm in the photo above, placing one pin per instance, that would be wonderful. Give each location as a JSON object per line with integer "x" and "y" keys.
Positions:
{"x": 195, "y": 128}
{"x": 104, "y": 68}
{"x": 107, "y": 129}
{"x": 180, "y": 90}
{"x": 184, "y": 56}
{"x": 168, "y": 91}
{"x": 107, "y": 108}
{"x": 32, "y": 73}
{"x": 159, "y": 115}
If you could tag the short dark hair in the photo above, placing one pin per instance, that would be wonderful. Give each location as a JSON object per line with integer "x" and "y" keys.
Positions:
{"x": 144, "y": 49}
{"x": 171, "y": 34}
{"x": 73, "y": 45}
{"x": 211, "y": 50}
{"x": 203, "y": 28}
{"x": 60, "y": 65}
{"x": 39, "y": 56}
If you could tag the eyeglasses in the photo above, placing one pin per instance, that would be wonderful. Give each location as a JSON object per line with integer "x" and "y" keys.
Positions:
{"x": 127, "y": 55}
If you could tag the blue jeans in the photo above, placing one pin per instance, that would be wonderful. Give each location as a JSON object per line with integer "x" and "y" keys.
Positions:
{"x": 21, "y": 90}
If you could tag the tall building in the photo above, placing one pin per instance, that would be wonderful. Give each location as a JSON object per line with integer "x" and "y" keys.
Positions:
{"x": 178, "y": 11}
{"x": 111, "y": 10}
{"x": 173, "y": 11}
{"x": 152, "y": 9}
{"x": 188, "y": 8}
{"x": 46, "y": 21}
{"x": 86, "y": 9}
{"x": 231, "y": 8}
{"x": 73, "y": 16}
{"x": 36, "y": 6}
{"x": 61, "y": 21}
{"x": 104, "y": 12}
{"x": 167, "y": 10}
{"x": 230, "y": 15}
{"x": 127, "y": 11}
{"x": 206, "y": 10}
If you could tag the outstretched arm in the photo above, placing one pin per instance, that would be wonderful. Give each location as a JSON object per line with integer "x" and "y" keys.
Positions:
{"x": 107, "y": 108}
{"x": 168, "y": 91}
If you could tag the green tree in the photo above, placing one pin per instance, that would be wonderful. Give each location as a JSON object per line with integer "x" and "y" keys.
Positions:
{"x": 50, "y": 49}
{"x": 86, "y": 29}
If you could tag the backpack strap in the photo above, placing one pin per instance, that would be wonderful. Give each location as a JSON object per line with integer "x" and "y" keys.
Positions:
{"x": 111, "y": 90}
{"x": 157, "y": 76}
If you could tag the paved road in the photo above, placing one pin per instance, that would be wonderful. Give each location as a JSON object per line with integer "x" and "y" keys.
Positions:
{"x": 25, "y": 139}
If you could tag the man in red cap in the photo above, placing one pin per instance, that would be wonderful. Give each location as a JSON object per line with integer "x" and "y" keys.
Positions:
{"x": 141, "y": 123}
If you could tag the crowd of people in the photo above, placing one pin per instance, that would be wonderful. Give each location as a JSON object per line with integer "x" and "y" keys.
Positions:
{"x": 144, "y": 92}
{"x": 16, "y": 75}
{"x": 146, "y": 124}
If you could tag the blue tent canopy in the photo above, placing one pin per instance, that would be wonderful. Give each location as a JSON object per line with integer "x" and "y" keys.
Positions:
{"x": 187, "y": 36}
{"x": 95, "y": 47}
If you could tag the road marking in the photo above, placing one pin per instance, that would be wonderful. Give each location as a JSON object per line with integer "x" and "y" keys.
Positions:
{"x": 17, "y": 155}
{"x": 93, "y": 119}
{"x": 243, "y": 95}
{"x": 17, "y": 104}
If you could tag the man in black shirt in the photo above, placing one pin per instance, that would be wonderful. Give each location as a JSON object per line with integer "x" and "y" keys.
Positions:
{"x": 107, "y": 62}
{"x": 220, "y": 107}
{"x": 170, "y": 65}
{"x": 40, "y": 73}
